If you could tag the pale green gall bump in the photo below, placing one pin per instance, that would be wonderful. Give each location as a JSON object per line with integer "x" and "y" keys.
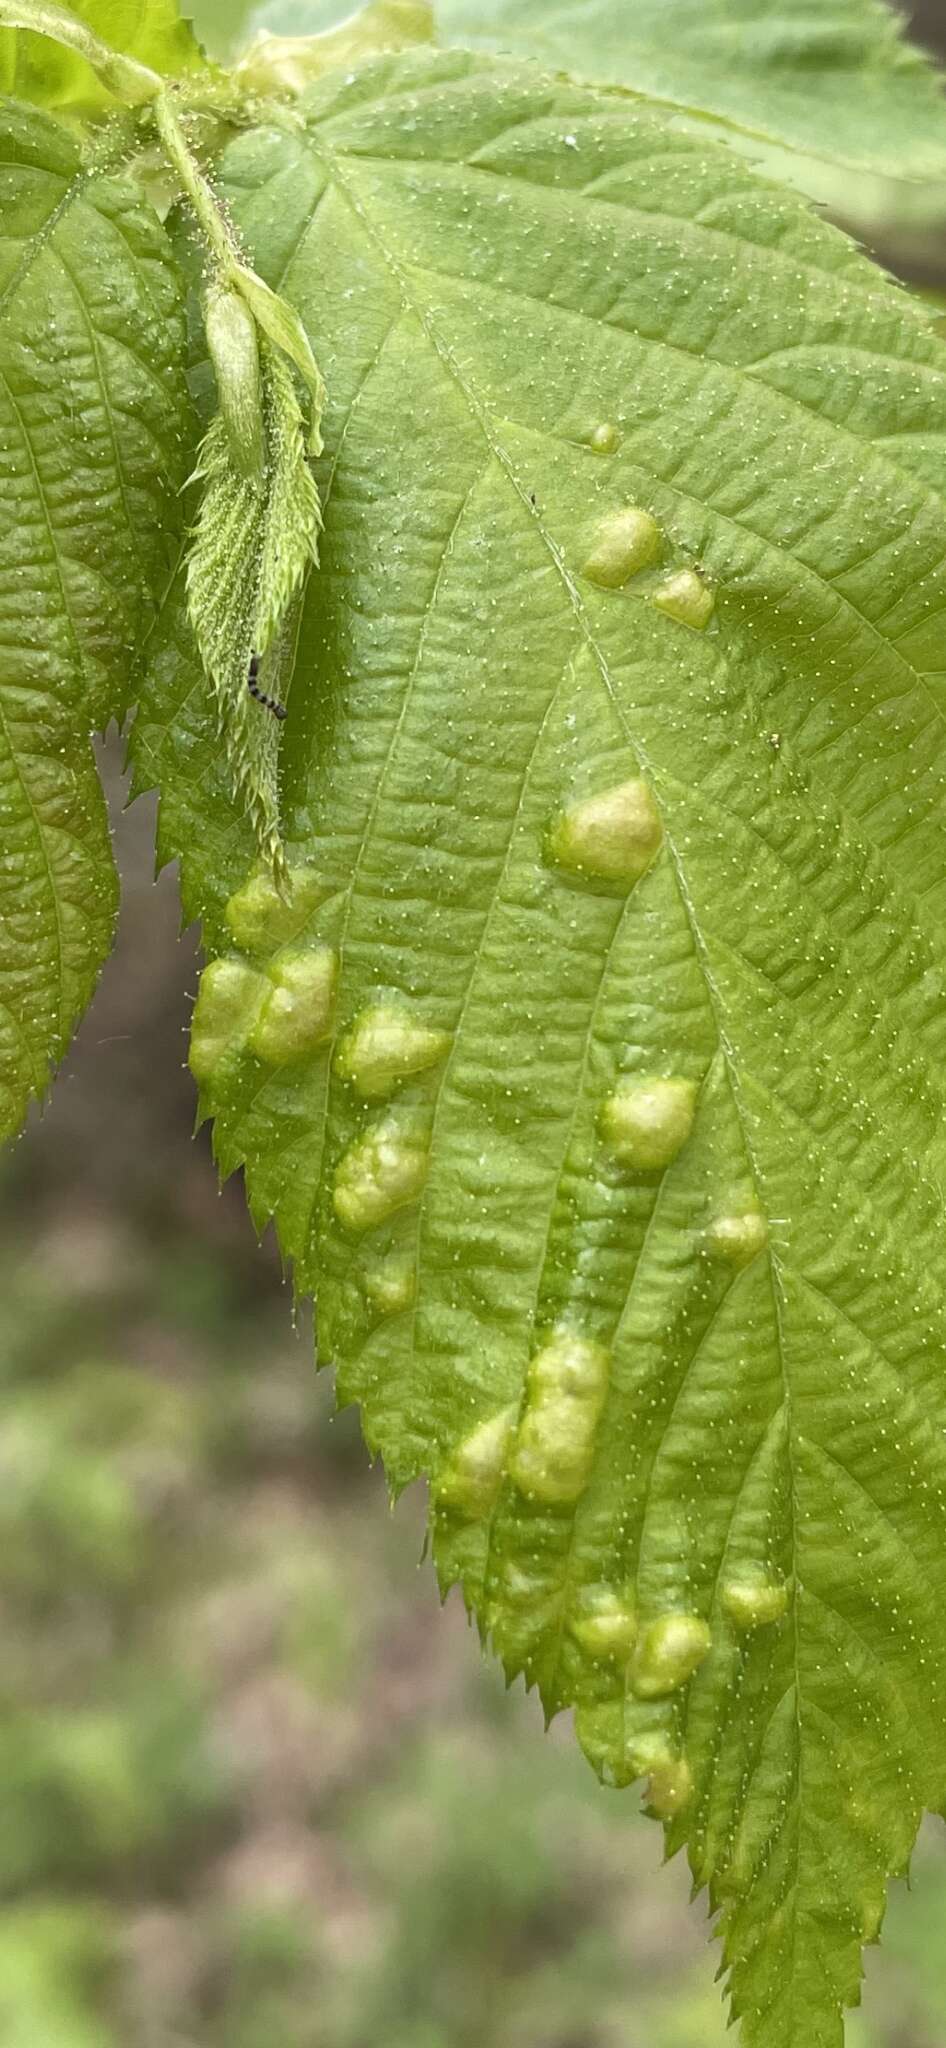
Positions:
{"x": 296, "y": 1015}
{"x": 565, "y": 1393}
{"x": 229, "y": 1000}
{"x": 604, "y": 439}
{"x": 379, "y": 1174}
{"x": 646, "y": 1122}
{"x": 611, "y": 837}
{"x": 669, "y": 1651}
{"x": 669, "y": 1788}
{"x": 738, "y": 1238}
{"x": 754, "y": 1602}
{"x": 260, "y": 919}
{"x": 234, "y": 352}
{"x": 386, "y": 1046}
{"x": 604, "y": 1624}
{"x": 686, "y": 597}
{"x": 623, "y": 544}
{"x": 471, "y": 1480}
{"x": 391, "y": 1286}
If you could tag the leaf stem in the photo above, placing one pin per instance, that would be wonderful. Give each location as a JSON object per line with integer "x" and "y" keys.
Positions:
{"x": 197, "y": 187}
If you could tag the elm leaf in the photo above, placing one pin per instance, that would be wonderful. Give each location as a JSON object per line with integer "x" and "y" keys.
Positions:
{"x": 835, "y": 80}
{"x": 592, "y": 1063}
{"x": 92, "y": 413}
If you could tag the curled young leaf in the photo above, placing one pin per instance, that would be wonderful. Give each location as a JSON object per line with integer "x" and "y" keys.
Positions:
{"x": 254, "y": 539}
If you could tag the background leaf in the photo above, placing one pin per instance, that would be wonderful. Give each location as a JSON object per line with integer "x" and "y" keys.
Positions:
{"x": 154, "y": 31}
{"x": 92, "y": 405}
{"x": 684, "y": 1417}
{"x": 833, "y": 79}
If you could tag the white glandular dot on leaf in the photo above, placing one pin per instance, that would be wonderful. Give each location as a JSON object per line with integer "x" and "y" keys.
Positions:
{"x": 229, "y": 1000}
{"x": 565, "y": 1392}
{"x": 622, "y": 544}
{"x": 385, "y": 1046}
{"x": 473, "y": 1475}
{"x": 296, "y": 1016}
{"x": 687, "y": 597}
{"x": 668, "y": 1652}
{"x": 647, "y": 1121}
{"x": 382, "y": 1171}
{"x": 608, "y": 837}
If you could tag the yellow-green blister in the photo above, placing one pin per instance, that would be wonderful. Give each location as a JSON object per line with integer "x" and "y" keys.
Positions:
{"x": 738, "y": 1236}
{"x": 670, "y": 1649}
{"x": 611, "y": 836}
{"x": 687, "y": 597}
{"x": 296, "y": 1016}
{"x": 647, "y": 1120}
{"x": 623, "y": 543}
{"x": 391, "y": 1285}
{"x": 604, "y": 1623}
{"x": 386, "y": 1046}
{"x": 229, "y": 1000}
{"x": 754, "y": 1601}
{"x": 261, "y": 919}
{"x": 566, "y": 1387}
{"x": 383, "y": 1171}
{"x": 473, "y": 1475}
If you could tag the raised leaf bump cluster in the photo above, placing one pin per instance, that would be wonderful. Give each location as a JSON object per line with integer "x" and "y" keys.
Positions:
{"x": 586, "y": 1040}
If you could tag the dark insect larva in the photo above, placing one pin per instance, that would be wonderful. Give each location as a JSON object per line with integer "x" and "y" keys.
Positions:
{"x": 269, "y": 703}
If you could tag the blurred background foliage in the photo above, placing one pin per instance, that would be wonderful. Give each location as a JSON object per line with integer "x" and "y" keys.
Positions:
{"x": 256, "y": 1791}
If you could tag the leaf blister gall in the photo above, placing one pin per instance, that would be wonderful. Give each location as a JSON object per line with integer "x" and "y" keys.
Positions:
{"x": 391, "y": 1286}
{"x": 566, "y": 1388}
{"x": 738, "y": 1236}
{"x": 754, "y": 1602}
{"x": 382, "y": 1171}
{"x": 471, "y": 1480}
{"x": 297, "y": 1011}
{"x": 605, "y": 1623}
{"x": 687, "y": 597}
{"x": 623, "y": 543}
{"x": 229, "y": 1000}
{"x": 386, "y": 1045}
{"x": 670, "y": 1649}
{"x": 609, "y": 837}
{"x": 647, "y": 1121}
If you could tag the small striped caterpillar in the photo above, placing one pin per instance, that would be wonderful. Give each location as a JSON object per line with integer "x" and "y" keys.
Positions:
{"x": 252, "y": 683}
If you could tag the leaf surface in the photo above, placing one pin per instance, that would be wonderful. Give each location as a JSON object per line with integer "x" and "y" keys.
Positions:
{"x": 594, "y": 1072}
{"x": 92, "y": 405}
{"x": 153, "y": 31}
{"x": 833, "y": 79}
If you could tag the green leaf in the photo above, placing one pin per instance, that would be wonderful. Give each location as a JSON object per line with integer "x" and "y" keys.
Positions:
{"x": 593, "y": 1069}
{"x": 152, "y": 31}
{"x": 91, "y": 409}
{"x": 253, "y": 543}
{"x": 296, "y": 43}
{"x": 833, "y": 79}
